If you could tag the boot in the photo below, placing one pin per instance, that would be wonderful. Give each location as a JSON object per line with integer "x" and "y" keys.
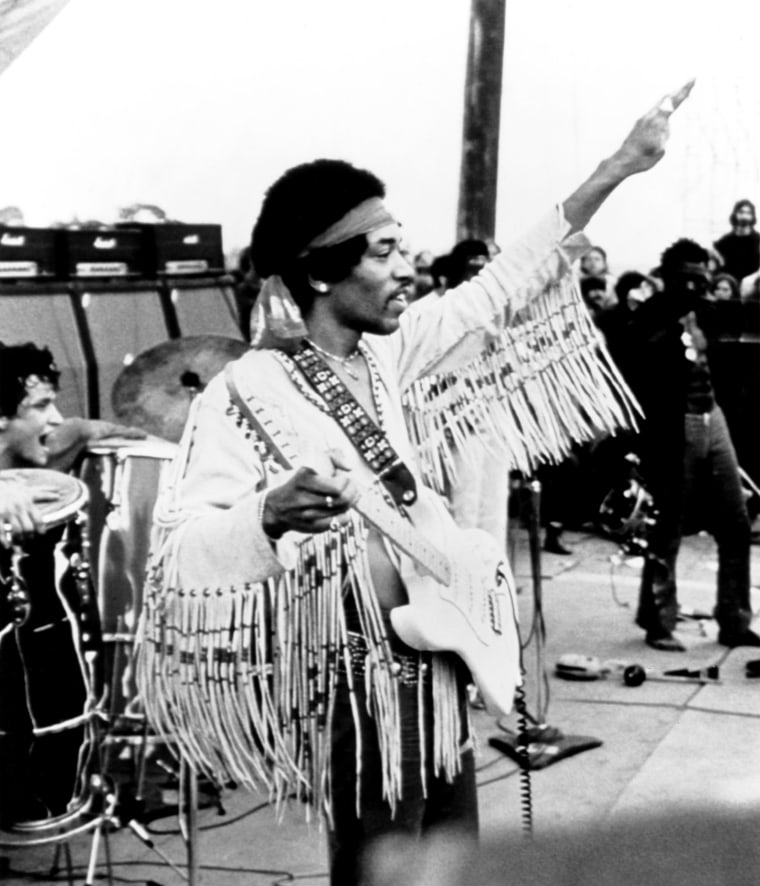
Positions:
{"x": 553, "y": 540}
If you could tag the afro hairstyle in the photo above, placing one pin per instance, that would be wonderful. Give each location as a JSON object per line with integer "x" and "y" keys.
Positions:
{"x": 303, "y": 203}
{"x": 683, "y": 251}
{"x": 17, "y": 364}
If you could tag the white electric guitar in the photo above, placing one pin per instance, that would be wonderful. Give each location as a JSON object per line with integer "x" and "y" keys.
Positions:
{"x": 460, "y": 601}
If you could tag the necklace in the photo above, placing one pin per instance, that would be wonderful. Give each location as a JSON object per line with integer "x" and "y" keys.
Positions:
{"x": 343, "y": 361}
{"x": 375, "y": 381}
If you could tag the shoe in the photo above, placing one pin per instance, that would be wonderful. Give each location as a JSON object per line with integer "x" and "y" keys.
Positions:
{"x": 746, "y": 638}
{"x": 556, "y": 547}
{"x": 552, "y": 542}
{"x": 664, "y": 642}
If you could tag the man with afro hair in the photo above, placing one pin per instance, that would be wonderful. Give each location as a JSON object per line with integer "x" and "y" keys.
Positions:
{"x": 268, "y": 522}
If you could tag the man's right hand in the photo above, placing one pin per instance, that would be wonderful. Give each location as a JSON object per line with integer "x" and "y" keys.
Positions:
{"x": 19, "y": 514}
{"x": 310, "y": 502}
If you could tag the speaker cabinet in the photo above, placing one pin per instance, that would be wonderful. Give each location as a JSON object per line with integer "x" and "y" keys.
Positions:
{"x": 122, "y": 320}
{"x": 204, "y": 306}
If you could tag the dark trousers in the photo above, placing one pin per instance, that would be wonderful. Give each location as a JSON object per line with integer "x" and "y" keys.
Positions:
{"x": 710, "y": 484}
{"x": 450, "y": 805}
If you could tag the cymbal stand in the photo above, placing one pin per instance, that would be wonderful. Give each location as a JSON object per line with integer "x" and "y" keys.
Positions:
{"x": 121, "y": 812}
{"x": 111, "y": 816}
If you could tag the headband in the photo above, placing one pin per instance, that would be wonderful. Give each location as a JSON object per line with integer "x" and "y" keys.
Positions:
{"x": 368, "y": 216}
{"x": 276, "y": 321}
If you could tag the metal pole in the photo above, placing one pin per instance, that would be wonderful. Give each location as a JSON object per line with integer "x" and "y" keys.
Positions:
{"x": 476, "y": 215}
{"x": 191, "y": 822}
{"x": 534, "y": 537}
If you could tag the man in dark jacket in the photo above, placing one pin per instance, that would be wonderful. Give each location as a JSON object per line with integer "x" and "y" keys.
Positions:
{"x": 688, "y": 459}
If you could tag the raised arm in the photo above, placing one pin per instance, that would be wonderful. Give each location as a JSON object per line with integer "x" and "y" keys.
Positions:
{"x": 641, "y": 150}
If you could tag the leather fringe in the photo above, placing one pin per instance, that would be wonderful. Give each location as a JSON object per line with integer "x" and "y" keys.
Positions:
{"x": 548, "y": 382}
{"x": 241, "y": 680}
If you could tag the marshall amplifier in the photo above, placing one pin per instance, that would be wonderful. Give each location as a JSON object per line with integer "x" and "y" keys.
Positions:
{"x": 103, "y": 252}
{"x": 28, "y": 252}
{"x": 174, "y": 248}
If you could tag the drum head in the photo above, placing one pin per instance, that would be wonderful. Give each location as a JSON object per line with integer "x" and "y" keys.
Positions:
{"x": 131, "y": 447}
{"x": 70, "y": 493}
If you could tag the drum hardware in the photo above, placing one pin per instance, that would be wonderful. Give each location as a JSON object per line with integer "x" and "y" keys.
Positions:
{"x": 124, "y": 476}
{"x": 120, "y": 813}
{"x": 46, "y": 729}
{"x": 131, "y": 473}
{"x": 97, "y": 803}
{"x": 17, "y": 596}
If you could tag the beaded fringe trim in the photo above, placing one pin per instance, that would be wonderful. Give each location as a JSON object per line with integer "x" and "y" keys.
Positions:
{"x": 548, "y": 382}
{"x": 242, "y": 679}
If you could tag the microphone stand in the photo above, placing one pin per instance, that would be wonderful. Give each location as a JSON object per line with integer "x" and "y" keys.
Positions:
{"x": 540, "y": 745}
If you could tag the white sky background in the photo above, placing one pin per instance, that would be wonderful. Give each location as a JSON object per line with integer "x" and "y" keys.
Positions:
{"x": 197, "y": 105}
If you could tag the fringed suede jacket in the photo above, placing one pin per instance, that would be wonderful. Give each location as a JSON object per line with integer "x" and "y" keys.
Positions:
{"x": 241, "y": 636}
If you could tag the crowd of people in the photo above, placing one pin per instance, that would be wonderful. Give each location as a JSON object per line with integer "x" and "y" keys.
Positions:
{"x": 733, "y": 263}
{"x": 677, "y": 332}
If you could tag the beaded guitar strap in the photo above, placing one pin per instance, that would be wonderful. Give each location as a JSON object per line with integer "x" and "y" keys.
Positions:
{"x": 371, "y": 441}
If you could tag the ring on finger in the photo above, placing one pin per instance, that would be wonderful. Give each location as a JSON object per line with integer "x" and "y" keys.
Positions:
{"x": 667, "y": 106}
{"x": 329, "y": 501}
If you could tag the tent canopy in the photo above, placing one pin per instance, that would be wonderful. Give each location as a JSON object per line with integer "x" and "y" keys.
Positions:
{"x": 20, "y": 22}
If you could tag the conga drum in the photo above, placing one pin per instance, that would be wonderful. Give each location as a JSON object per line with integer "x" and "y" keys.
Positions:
{"x": 47, "y": 654}
{"x": 123, "y": 477}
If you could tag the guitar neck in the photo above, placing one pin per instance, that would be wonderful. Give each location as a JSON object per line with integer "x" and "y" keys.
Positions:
{"x": 371, "y": 504}
{"x": 373, "y": 507}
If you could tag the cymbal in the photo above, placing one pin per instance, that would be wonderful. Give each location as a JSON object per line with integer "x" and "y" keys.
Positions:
{"x": 155, "y": 391}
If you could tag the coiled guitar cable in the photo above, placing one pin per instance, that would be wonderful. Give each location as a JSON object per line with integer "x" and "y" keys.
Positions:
{"x": 523, "y": 754}
{"x": 536, "y": 633}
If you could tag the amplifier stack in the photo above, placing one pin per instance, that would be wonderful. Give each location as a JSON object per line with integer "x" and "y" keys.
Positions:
{"x": 98, "y": 297}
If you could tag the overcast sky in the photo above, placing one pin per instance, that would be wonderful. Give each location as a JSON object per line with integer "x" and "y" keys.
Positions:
{"x": 197, "y": 106}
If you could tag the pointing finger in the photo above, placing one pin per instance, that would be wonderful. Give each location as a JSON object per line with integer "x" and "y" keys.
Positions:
{"x": 675, "y": 99}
